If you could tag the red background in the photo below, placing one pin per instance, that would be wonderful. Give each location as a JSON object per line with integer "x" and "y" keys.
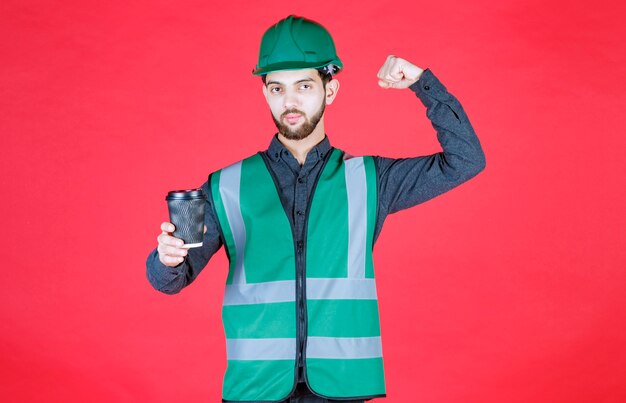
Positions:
{"x": 506, "y": 289}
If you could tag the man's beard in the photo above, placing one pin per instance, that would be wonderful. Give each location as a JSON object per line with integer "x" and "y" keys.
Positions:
{"x": 305, "y": 128}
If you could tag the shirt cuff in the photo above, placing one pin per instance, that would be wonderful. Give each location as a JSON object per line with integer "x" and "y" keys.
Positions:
{"x": 428, "y": 87}
{"x": 425, "y": 82}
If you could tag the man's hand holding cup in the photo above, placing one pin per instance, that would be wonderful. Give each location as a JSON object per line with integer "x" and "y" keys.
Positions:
{"x": 171, "y": 250}
{"x": 186, "y": 209}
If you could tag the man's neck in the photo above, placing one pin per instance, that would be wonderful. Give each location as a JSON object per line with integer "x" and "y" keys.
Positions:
{"x": 300, "y": 148}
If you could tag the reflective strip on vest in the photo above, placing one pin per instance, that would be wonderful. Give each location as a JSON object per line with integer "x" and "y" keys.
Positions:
{"x": 230, "y": 182}
{"x": 356, "y": 187}
{"x": 317, "y": 347}
{"x": 260, "y": 293}
{"x": 344, "y": 347}
{"x": 316, "y": 288}
{"x": 260, "y": 349}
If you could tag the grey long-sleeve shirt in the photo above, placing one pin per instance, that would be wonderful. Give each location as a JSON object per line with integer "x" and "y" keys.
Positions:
{"x": 402, "y": 183}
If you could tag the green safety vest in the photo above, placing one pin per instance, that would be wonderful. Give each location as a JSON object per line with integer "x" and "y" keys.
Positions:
{"x": 343, "y": 354}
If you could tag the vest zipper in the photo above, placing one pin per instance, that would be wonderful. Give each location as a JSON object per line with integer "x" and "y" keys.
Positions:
{"x": 301, "y": 308}
{"x": 302, "y": 273}
{"x": 300, "y": 247}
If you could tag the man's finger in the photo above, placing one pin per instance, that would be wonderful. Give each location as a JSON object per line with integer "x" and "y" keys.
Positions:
{"x": 384, "y": 69}
{"x": 167, "y": 227}
{"x": 171, "y": 250}
{"x": 384, "y": 84}
{"x": 381, "y": 73}
{"x": 166, "y": 239}
{"x": 205, "y": 229}
{"x": 172, "y": 260}
{"x": 395, "y": 74}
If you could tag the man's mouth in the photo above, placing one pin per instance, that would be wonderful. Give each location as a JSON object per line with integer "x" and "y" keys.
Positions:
{"x": 292, "y": 118}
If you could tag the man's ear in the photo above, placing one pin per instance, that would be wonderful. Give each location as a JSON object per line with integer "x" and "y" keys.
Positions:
{"x": 332, "y": 87}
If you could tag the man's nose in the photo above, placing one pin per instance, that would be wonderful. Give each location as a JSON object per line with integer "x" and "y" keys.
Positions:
{"x": 290, "y": 100}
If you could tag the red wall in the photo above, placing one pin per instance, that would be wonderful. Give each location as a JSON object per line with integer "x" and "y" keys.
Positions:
{"x": 506, "y": 289}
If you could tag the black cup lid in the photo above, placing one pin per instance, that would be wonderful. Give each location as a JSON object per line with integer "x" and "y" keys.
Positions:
{"x": 187, "y": 194}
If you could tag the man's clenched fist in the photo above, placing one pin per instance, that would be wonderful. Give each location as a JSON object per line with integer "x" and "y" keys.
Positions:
{"x": 398, "y": 73}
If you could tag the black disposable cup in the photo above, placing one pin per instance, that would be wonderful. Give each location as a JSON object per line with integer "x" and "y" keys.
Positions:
{"x": 186, "y": 208}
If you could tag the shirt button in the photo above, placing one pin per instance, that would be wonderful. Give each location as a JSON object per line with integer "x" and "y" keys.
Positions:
{"x": 426, "y": 87}
{"x": 300, "y": 180}
{"x": 299, "y": 212}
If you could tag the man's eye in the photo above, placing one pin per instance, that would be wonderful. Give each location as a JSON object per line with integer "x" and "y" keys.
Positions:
{"x": 275, "y": 89}
{"x": 305, "y": 86}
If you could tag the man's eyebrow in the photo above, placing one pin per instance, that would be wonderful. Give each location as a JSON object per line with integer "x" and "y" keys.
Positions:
{"x": 297, "y": 82}
{"x": 304, "y": 80}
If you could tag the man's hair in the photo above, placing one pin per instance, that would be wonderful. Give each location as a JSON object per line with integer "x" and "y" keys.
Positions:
{"x": 323, "y": 75}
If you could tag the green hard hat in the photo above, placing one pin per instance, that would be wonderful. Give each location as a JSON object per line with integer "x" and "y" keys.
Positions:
{"x": 297, "y": 43}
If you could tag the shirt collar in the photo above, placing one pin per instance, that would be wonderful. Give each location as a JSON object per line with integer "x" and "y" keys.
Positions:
{"x": 276, "y": 149}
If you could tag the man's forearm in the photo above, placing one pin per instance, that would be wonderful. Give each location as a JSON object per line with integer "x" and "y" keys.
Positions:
{"x": 405, "y": 182}
{"x": 168, "y": 280}
{"x": 462, "y": 152}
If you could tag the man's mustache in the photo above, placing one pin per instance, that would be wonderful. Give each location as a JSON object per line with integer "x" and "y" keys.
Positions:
{"x": 288, "y": 111}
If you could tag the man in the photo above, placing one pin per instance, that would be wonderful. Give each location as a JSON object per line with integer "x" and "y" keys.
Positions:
{"x": 299, "y": 221}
